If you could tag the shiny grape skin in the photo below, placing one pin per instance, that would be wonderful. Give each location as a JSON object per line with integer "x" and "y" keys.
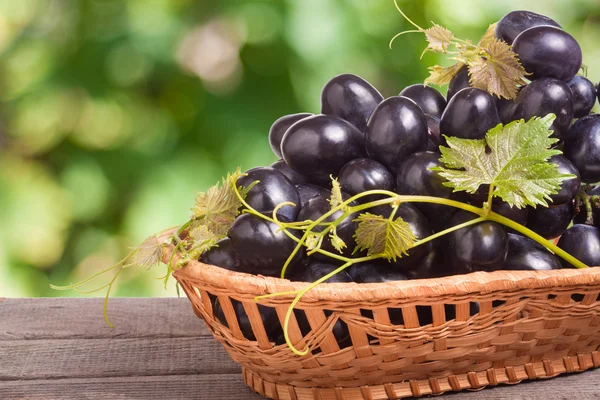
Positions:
{"x": 260, "y": 246}
{"x": 222, "y": 256}
{"x": 570, "y": 187}
{"x": 548, "y": 52}
{"x": 351, "y": 98}
{"x": 469, "y": 114}
{"x": 526, "y": 254}
{"x": 375, "y": 272}
{"x": 515, "y": 22}
{"x": 320, "y": 146}
{"x": 364, "y": 174}
{"x": 315, "y": 270}
{"x": 545, "y": 96}
{"x": 396, "y": 129}
{"x": 433, "y": 265}
{"x": 583, "y": 243}
{"x": 519, "y": 215}
{"x": 272, "y": 189}
{"x": 582, "y": 147}
{"x": 267, "y": 314}
{"x": 292, "y": 175}
{"x": 550, "y": 223}
{"x": 307, "y": 191}
{"x": 458, "y": 82}
{"x": 584, "y": 95}
{"x": 506, "y": 109}
{"x": 279, "y": 128}
{"x": 430, "y": 100}
{"x": 433, "y": 130}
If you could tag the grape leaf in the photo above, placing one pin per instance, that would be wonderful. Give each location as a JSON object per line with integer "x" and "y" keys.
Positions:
{"x": 499, "y": 71}
{"x": 336, "y": 241}
{"x": 148, "y": 254}
{"x": 488, "y": 36}
{"x": 380, "y": 235}
{"x": 442, "y": 75}
{"x": 336, "y": 194}
{"x": 512, "y": 158}
{"x": 312, "y": 241}
{"x": 439, "y": 38}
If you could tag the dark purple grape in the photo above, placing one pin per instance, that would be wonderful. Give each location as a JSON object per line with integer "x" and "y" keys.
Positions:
{"x": 430, "y": 100}
{"x": 364, "y": 174}
{"x": 546, "y": 96}
{"x": 320, "y": 146}
{"x": 433, "y": 265}
{"x": 292, "y": 175}
{"x": 315, "y": 270}
{"x": 272, "y": 189}
{"x": 548, "y": 52}
{"x": 267, "y": 314}
{"x": 396, "y": 129}
{"x": 307, "y": 191}
{"x": 519, "y": 215}
{"x": 458, "y": 82}
{"x": 506, "y": 109}
{"x": 260, "y": 246}
{"x": 351, "y": 98}
{"x": 550, "y": 222}
{"x": 469, "y": 114}
{"x": 569, "y": 188}
{"x": 526, "y": 254}
{"x": 583, "y": 243}
{"x": 515, "y": 22}
{"x": 222, "y": 256}
{"x": 433, "y": 129}
{"x": 582, "y": 147}
{"x": 584, "y": 95}
{"x": 279, "y": 128}
{"x": 375, "y": 272}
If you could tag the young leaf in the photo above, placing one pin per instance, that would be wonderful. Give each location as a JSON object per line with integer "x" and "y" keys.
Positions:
{"x": 148, "y": 253}
{"x": 379, "y": 235}
{"x": 511, "y": 158}
{"x": 337, "y": 241}
{"x": 439, "y": 38}
{"x": 488, "y": 36}
{"x": 312, "y": 241}
{"x": 442, "y": 75}
{"x": 336, "y": 193}
{"x": 499, "y": 72}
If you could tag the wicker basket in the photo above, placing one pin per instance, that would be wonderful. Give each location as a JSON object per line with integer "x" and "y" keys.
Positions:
{"x": 530, "y": 325}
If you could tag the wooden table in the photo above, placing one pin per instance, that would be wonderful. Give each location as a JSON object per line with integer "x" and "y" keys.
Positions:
{"x": 62, "y": 349}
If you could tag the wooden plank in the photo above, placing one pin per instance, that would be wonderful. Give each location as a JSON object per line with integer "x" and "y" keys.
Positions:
{"x": 79, "y": 358}
{"x": 55, "y": 318}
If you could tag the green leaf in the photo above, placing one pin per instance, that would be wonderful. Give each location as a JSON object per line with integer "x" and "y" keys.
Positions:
{"x": 379, "y": 235}
{"x": 336, "y": 241}
{"x": 336, "y": 194}
{"x": 148, "y": 254}
{"x": 439, "y": 38}
{"x": 442, "y": 75}
{"x": 512, "y": 159}
{"x": 313, "y": 241}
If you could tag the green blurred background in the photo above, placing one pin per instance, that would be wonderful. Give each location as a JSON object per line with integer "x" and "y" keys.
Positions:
{"x": 114, "y": 113}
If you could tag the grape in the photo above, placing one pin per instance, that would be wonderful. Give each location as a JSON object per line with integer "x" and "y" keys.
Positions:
{"x": 315, "y": 270}
{"x": 396, "y": 129}
{"x": 433, "y": 130}
{"x": 548, "y": 52}
{"x": 469, "y": 114}
{"x": 267, "y": 314}
{"x": 272, "y": 188}
{"x": 546, "y": 96}
{"x": 506, "y": 109}
{"x": 582, "y": 147}
{"x": 222, "y": 255}
{"x": 430, "y": 100}
{"x": 569, "y": 188}
{"x": 363, "y": 174}
{"x": 519, "y": 215}
{"x": 351, "y": 98}
{"x": 458, "y": 82}
{"x": 433, "y": 265}
{"x": 550, "y": 222}
{"x": 526, "y": 254}
{"x": 584, "y": 95}
{"x": 583, "y": 243}
{"x": 279, "y": 128}
{"x": 289, "y": 173}
{"x": 375, "y": 272}
{"x": 307, "y": 191}
{"x": 260, "y": 246}
{"x": 515, "y": 22}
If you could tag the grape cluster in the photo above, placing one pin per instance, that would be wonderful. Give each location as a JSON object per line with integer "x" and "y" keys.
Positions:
{"x": 371, "y": 143}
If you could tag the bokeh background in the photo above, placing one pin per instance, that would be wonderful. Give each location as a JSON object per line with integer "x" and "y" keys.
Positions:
{"x": 113, "y": 113}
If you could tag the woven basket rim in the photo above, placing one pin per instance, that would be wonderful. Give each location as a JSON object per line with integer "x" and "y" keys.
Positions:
{"x": 476, "y": 282}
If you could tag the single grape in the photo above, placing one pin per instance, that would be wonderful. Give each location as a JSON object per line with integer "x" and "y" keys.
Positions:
{"x": 515, "y": 22}
{"x": 430, "y": 100}
{"x": 279, "y": 128}
{"x": 584, "y": 95}
{"x": 526, "y": 254}
{"x": 375, "y": 272}
{"x": 583, "y": 243}
{"x": 548, "y": 52}
{"x": 316, "y": 269}
{"x": 267, "y": 314}
{"x": 433, "y": 129}
{"x": 458, "y": 82}
{"x": 222, "y": 256}
{"x": 506, "y": 109}
{"x": 272, "y": 188}
{"x": 519, "y": 215}
{"x": 351, "y": 98}
{"x": 433, "y": 265}
{"x": 396, "y": 129}
{"x": 320, "y": 146}
{"x": 550, "y": 222}
{"x": 260, "y": 246}
{"x": 289, "y": 173}
{"x": 364, "y": 174}
{"x": 307, "y": 191}
{"x": 469, "y": 114}
{"x": 570, "y": 187}
{"x": 582, "y": 147}
{"x": 546, "y": 96}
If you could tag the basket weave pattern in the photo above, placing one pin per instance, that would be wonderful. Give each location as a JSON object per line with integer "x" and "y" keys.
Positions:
{"x": 530, "y": 325}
